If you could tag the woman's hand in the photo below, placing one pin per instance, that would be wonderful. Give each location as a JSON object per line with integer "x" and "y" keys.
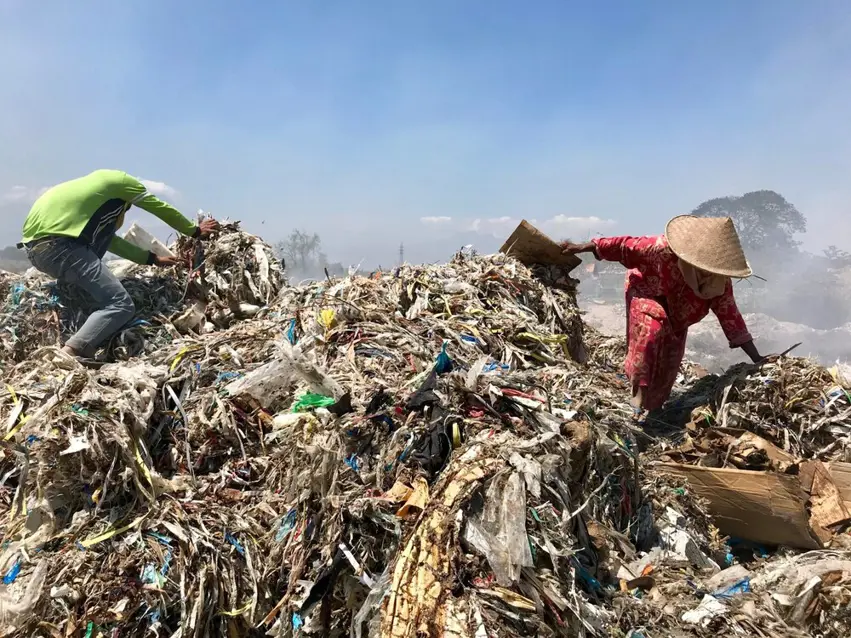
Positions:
{"x": 569, "y": 248}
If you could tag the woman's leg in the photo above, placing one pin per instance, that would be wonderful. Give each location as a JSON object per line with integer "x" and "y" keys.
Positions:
{"x": 640, "y": 357}
{"x": 648, "y": 341}
{"x": 637, "y": 400}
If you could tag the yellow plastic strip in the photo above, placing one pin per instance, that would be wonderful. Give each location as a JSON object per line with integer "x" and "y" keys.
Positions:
{"x": 15, "y": 429}
{"x": 142, "y": 465}
{"x": 110, "y": 533}
{"x": 237, "y": 612}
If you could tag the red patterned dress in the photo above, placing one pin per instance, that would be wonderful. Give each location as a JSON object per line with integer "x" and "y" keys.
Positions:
{"x": 660, "y": 307}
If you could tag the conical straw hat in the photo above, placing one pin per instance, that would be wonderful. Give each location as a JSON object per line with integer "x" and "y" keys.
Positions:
{"x": 708, "y": 243}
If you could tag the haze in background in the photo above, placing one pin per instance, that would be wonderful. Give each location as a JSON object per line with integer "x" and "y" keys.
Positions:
{"x": 434, "y": 124}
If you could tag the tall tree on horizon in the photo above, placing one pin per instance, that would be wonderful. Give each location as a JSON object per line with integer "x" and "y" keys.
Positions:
{"x": 302, "y": 252}
{"x": 765, "y": 220}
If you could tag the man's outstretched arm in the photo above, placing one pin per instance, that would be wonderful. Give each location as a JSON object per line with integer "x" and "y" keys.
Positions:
{"x": 135, "y": 193}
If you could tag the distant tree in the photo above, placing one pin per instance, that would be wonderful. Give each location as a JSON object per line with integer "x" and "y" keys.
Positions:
{"x": 302, "y": 251}
{"x": 837, "y": 257}
{"x": 765, "y": 220}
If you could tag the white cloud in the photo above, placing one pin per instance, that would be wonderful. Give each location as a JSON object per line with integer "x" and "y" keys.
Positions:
{"x": 576, "y": 226}
{"x": 435, "y": 220}
{"x": 16, "y": 194}
{"x": 560, "y": 226}
{"x": 22, "y": 195}
{"x": 25, "y": 195}
{"x": 499, "y": 227}
{"x": 160, "y": 189}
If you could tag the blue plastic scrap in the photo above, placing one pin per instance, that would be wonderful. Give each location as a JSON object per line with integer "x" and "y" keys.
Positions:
{"x": 494, "y": 366}
{"x": 443, "y": 363}
{"x": 741, "y": 587}
{"x": 291, "y": 332}
{"x": 408, "y": 447}
{"x": 586, "y": 577}
{"x": 228, "y": 376}
{"x": 13, "y": 572}
{"x": 163, "y": 540}
{"x": 297, "y": 621}
{"x": 18, "y": 291}
{"x": 287, "y": 525}
{"x": 386, "y": 420}
{"x": 232, "y": 540}
{"x": 166, "y": 563}
{"x": 151, "y": 576}
{"x": 353, "y": 462}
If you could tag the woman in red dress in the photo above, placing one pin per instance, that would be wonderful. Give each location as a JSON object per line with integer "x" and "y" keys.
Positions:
{"x": 673, "y": 281}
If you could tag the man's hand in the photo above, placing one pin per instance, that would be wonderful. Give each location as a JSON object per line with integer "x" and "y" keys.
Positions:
{"x": 165, "y": 262}
{"x": 569, "y": 248}
{"x": 208, "y": 227}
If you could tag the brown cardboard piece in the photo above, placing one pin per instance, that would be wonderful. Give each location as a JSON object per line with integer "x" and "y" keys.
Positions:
{"x": 763, "y": 507}
{"x": 780, "y": 459}
{"x": 841, "y": 475}
{"x": 730, "y": 447}
{"x": 826, "y": 505}
{"x": 530, "y": 246}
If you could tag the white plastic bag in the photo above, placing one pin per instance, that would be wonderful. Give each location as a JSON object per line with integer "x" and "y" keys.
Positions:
{"x": 499, "y": 533}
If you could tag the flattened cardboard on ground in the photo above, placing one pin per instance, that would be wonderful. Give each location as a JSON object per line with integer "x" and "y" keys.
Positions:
{"x": 780, "y": 459}
{"x": 826, "y": 506}
{"x": 739, "y": 445}
{"x": 841, "y": 475}
{"x": 762, "y": 507}
{"x": 530, "y": 246}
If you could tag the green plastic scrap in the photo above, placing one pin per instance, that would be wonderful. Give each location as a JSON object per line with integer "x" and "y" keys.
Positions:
{"x": 79, "y": 409}
{"x": 312, "y": 401}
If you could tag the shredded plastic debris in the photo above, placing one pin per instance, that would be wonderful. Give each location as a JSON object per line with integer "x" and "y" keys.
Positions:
{"x": 434, "y": 451}
{"x": 230, "y": 278}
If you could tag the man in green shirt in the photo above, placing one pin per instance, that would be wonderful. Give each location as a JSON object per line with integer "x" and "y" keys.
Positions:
{"x": 71, "y": 227}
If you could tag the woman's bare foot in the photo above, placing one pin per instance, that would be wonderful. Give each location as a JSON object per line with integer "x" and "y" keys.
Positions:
{"x": 639, "y": 414}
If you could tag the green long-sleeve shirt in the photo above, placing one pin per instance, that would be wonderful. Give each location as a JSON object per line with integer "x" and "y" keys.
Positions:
{"x": 89, "y": 206}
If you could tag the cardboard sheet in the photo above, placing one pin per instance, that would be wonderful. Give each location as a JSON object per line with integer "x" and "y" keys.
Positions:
{"x": 762, "y": 507}
{"x": 530, "y": 246}
{"x": 841, "y": 475}
{"x": 826, "y": 506}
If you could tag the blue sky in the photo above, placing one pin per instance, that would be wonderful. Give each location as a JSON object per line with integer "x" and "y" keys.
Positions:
{"x": 433, "y": 123}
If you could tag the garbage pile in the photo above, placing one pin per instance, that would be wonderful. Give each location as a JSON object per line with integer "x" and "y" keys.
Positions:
{"x": 230, "y": 278}
{"x": 795, "y": 403}
{"x": 433, "y": 451}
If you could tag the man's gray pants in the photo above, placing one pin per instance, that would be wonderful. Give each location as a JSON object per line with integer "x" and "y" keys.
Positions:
{"x": 73, "y": 262}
